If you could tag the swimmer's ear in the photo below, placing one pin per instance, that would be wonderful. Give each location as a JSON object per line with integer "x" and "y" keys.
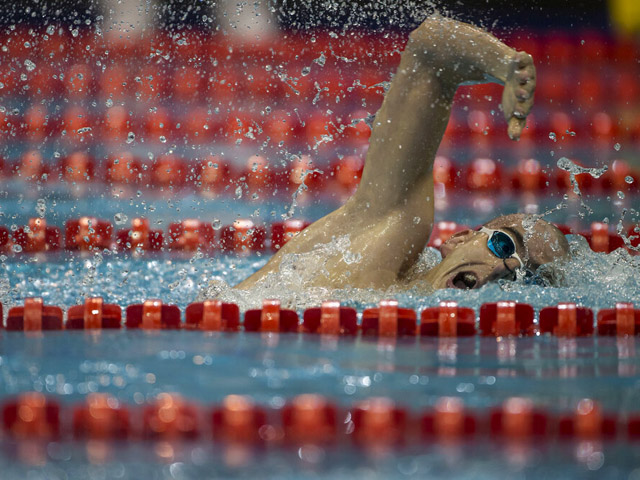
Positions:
{"x": 517, "y": 96}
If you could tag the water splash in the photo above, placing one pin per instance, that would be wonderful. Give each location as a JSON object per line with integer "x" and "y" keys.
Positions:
{"x": 573, "y": 169}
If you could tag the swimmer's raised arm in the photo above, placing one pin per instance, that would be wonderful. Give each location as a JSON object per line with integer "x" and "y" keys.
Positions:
{"x": 387, "y": 222}
{"x": 440, "y": 55}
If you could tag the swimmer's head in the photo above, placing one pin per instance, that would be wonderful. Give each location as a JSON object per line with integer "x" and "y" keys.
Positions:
{"x": 470, "y": 259}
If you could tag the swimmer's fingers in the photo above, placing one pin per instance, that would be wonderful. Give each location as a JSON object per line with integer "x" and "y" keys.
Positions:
{"x": 517, "y": 97}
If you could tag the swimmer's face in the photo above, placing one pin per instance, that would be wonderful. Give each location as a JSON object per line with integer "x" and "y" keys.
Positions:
{"x": 468, "y": 262}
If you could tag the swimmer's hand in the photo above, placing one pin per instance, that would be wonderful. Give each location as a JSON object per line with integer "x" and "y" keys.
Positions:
{"x": 517, "y": 96}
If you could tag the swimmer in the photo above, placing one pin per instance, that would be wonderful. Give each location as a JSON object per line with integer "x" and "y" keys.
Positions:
{"x": 389, "y": 218}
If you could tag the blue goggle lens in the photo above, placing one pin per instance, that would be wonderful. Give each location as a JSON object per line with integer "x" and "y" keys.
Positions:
{"x": 501, "y": 245}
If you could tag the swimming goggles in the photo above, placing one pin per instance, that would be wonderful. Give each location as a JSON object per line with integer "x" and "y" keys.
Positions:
{"x": 501, "y": 244}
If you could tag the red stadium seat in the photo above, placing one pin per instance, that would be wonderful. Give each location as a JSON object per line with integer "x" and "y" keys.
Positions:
{"x": 620, "y": 177}
{"x": 31, "y": 167}
{"x": 150, "y": 84}
{"x": 442, "y": 231}
{"x": 445, "y": 172}
{"x": 188, "y": 82}
{"x": 348, "y": 171}
{"x": 282, "y": 232}
{"x": 159, "y": 125}
{"x": 77, "y": 124}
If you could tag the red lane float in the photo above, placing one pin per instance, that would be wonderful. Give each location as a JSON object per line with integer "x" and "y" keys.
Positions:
{"x": 601, "y": 239}
{"x": 379, "y": 421}
{"x": 213, "y": 316}
{"x": 34, "y": 316}
{"x": 388, "y": 320}
{"x": 622, "y": 320}
{"x": 282, "y": 232}
{"x": 443, "y": 231}
{"x": 32, "y": 415}
{"x": 448, "y": 420}
{"x": 529, "y": 177}
{"x": 587, "y": 422}
{"x": 243, "y": 237}
{"x": 238, "y": 420}
{"x": 139, "y": 237}
{"x": 503, "y": 319}
{"x": 271, "y": 318}
{"x": 94, "y": 314}
{"x": 170, "y": 417}
{"x": 484, "y": 174}
{"x": 101, "y": 417}
{"x": 447, "y": 320}
{"x": 88, "y": 233}
{"x": 566, "y": 320}
{"x": 153, "y": 315}
{"x": 190, "y": 235}
{"x": 330, "y": 319}
{"x": 518, "y": 419}
{"x": 310, "y": 419}
{"x": 37, "y": 237}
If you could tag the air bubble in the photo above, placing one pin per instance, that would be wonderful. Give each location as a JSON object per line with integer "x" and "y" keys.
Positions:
{"x": 552, "y": 136}
{"x": 131, "y": 137}
{"x": 616, "y": 147}
{"x": 306, "y": 71}
{"x": 163, "y": 139}
{"x": 620, "y": 195}
{"x": 29, "y": 65}
{"x": 120, "y": 218}
{"x": 628, "y": 179}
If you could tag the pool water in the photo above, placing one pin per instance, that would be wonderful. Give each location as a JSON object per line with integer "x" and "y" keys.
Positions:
{"x": 273, "y": 368}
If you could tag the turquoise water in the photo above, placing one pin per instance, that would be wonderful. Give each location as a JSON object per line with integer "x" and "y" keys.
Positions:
{"x": 136, "y": 366}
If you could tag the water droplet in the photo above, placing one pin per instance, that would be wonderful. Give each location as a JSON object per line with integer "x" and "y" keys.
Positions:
{"x": 41, "y": 207}
{"x": 75, "y": 32}
{"x": 29, "y": 65}
{"x": 306, "y": 71}
{"x": 416, "y": 220}
{"x": 628, "y": 179}
{"x": 620, "y": 195}
{"x": 109, "y": 102}
{"x": 131, "y": 137}
{"x": 616, "y": 147}
{"x": 217, "y": 224}
{"x": 552, "y": 136}
{"x": 16, "y": 248}
{"x": 120, "y": 218}
{"x": 51, "y": 29}
{"x": 163, "y": 139}
{"x": 239, "y": 192}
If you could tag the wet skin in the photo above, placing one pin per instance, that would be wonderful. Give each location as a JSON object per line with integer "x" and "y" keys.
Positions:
{"x": 397, "y": 182}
